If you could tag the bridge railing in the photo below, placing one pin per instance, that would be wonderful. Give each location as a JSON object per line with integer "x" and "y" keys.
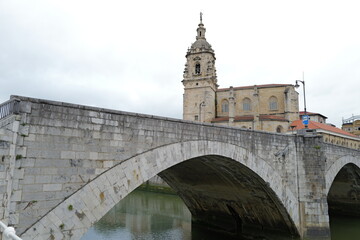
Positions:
{"x": 9, "y": 107}
{"x": 8, "y": 232}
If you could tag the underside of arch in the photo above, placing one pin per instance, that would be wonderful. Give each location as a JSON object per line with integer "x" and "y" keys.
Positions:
{"x": 344, "y": 193}
{"x": 226, "y": 196}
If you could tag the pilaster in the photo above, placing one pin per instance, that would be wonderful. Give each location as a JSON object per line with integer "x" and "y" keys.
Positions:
{"x": 313, "y": 206}
{"x": 231, "y": 106}
{"x": 11, "y": 133}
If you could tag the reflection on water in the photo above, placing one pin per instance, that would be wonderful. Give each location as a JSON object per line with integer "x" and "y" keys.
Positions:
{"x": 144, "y": 216}
{"x": 152, "y": 216}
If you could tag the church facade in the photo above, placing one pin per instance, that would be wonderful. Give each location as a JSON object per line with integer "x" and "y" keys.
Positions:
{"x": 270, "y": 107}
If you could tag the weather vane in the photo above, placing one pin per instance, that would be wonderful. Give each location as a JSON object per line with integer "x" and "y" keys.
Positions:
{"x": 201, "y": 17}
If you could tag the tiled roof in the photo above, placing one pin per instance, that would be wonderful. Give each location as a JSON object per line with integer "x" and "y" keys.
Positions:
{"x": 297, "y": 124}
{"x": 237, "y": 118}
{"x": 250, "y": 118}
{"x": 272, "y": 117}
{"x": 258, "y": 86}
{"x": 244, "y": 118}
{"x": 220, "y": 119}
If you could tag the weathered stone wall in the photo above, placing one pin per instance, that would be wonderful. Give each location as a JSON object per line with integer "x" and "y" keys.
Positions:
{"x": 319, "y": 164}
{"x": 11, "y": 151}
{"x": 90, "y": 158}
{"x": 69, "y": 145}
{"x": 312, "y": 187}
{"x": 6, "y": 139}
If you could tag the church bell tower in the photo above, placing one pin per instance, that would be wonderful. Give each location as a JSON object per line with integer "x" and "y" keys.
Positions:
{"x": 200, "y": 82}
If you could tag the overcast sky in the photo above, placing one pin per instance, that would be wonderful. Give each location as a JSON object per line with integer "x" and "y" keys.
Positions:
{"x": 130, "y": 55}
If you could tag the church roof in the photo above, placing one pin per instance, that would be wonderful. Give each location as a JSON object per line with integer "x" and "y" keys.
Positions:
{"x": 253, "y": 86}
{"x": 272, "y": 118}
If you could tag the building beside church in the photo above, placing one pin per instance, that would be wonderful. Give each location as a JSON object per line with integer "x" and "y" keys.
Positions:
{"x": 330, "y": 133}
{"x": 270, "y": 107}
{"x": 352, "y": 125}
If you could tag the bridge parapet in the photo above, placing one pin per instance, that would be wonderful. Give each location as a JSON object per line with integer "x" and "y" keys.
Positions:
{"x": 9, "y": 107}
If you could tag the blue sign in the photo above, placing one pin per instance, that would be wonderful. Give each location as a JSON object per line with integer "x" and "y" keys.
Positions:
{"x": 305, "y": 119}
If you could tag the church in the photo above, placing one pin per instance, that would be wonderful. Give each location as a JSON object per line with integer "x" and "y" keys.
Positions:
{"x": 270, "y": 107}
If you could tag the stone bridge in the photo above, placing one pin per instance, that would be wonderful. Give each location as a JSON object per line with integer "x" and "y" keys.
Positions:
{"x": 63, "y": 166}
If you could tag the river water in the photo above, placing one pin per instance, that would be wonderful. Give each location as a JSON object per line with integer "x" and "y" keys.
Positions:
{"x": 153, "y": 216}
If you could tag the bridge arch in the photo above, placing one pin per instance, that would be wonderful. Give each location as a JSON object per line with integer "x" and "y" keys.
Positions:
{"x": 336, "y": 167}
{"x": 342, "y": 187}
{"x": 75, "y": 215}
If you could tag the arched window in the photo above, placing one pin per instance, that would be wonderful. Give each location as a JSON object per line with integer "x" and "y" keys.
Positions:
{"x": 247, "y": 104}
{"x": 225, "y": 106}
{"x": 197, "y": 68}
{"x": 279, "y": 129}
{"x": 273, "y": 103}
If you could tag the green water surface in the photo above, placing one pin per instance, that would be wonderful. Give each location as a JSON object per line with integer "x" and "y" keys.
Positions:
{"x": 153, "y": 216}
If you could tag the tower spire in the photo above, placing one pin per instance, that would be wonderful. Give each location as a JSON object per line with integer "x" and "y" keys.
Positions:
{"x": 201, "y": 30}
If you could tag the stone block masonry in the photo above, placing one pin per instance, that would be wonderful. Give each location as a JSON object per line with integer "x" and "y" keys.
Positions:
{"x": 67, "y": 165}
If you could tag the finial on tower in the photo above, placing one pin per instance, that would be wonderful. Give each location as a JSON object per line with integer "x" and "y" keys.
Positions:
{"x": 201, "y": 17}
